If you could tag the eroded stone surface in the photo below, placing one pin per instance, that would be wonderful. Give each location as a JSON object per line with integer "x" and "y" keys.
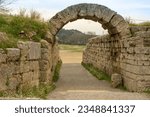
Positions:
{"x": 26, "y": 65}
{"x": 116, "y": 80}
{"x": 93, "y": 12}
{"x": 13, "y": 54}
{"x": 128, "y": 56}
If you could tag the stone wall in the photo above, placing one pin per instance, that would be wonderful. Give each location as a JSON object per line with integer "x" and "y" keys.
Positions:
{"x": 30, "y": 64}
{"x": 128, "y": 56}
{"x": 98, "y": 53}
{"x": 102, "y": 52}
{"x": 135, "y": 59}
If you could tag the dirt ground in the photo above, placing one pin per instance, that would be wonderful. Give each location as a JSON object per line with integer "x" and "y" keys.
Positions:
{"x": 70, "y": 57}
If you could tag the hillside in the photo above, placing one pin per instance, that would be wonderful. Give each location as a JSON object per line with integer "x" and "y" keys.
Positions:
{"x": 14, "y": 28}
{"x": 73, "y": 37}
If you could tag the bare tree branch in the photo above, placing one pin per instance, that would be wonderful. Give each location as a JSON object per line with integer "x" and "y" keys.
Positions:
{"x": 4, "y": 4}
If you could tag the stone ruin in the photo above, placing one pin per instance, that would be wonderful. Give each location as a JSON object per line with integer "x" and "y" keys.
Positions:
{"x": 28, "y": 65}
{"x": 125, "y": 52}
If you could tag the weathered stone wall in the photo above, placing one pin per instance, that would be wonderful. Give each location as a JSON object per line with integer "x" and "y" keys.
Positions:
{"x": 98, "y": 53}
{"x": 135, "y": 59}
{"x": 29, "y": 64}
{"x": 128, "y": 56}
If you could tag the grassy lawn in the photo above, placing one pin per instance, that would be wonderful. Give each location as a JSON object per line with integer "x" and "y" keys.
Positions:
{"x": 73, "y": 48}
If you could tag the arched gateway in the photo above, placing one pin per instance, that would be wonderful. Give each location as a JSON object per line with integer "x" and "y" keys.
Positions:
{"x": 109, "y": 19}
{"x": 125, "y": 51}
{"x": 115, "y": 23}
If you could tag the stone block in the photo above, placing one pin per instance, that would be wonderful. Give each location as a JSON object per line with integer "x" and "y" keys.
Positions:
{"x": 139, "y": 70}
{"x": 130, "y": 84}
{"x": 121, "y": 26}
{"x": 135, "y": 29}
{"x": 14, "y": 82}
{"x": 144, "y": 70}
{"x": 53, "y": 29}
{"x": 59, "y": 20}
{"x": 66, "y": 15}
{"x": 44, "y": 65}
{"x": 3, "y": 70}
{"x": 24, "y": 67}
{"x": 91, "y": 10}
{"x": 27, "y": 77}
{"x": 143, "y": 83}
{"x": 46, "y": 54}
{"x": 34, "y": 65}
{"x": 45, "y": 76}
{"x": 130, "y": 50}
{"x": 144, "y": 63}
{"x": 107, "y": 14}
{"x": 49, "y": 38}
{"x": 34, "y": 51}
{"x": 13, "y": 54}
{"x": 143, "y": 34}
{"x": 142, "y": 50}
{"x": 23, "y": 46}
{"x": 116, "y": 80}
{"x": 36, "y": 75}
{"x": 131, "y": 62}
{"x": 84, "y": 10}
{"x": 3, "y": 85}
{"x": 146, "y": 42}
{"x": 44, "y": 44}
{"x": 3, "y": 56}
{"x": 116, "y": 20}
{"x": 7, "y": 70}
{"x": 143, "y": 57}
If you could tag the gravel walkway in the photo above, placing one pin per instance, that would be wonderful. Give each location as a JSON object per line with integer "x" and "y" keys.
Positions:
{"x": 77, "y": 83}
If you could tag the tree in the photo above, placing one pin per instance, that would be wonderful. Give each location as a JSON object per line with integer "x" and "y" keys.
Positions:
{"x": 4, "y": 4}
{"x": 129, "y": 20}
{"x": 91, "y": 33}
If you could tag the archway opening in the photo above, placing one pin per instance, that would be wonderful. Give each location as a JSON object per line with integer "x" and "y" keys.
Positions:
{"x": 74, "y": 36}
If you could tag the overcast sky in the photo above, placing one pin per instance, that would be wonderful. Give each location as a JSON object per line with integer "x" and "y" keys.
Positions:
{"x": 138, "y": 10}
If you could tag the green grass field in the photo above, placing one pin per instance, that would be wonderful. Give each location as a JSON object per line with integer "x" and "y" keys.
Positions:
{"x": 73, "y": 48}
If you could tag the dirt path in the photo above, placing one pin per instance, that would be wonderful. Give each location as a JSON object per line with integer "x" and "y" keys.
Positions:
{"x": 77, "y": 83}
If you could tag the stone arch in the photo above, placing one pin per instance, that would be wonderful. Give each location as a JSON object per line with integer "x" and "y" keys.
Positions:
{"x": 109, "y": 19}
